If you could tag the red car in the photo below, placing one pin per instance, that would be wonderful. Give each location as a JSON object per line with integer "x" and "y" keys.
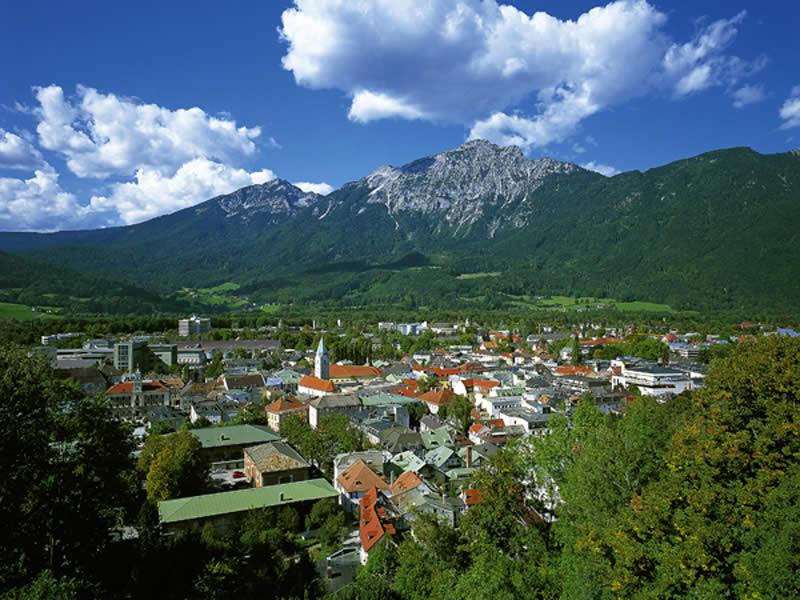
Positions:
{"x": 238, "y": 475}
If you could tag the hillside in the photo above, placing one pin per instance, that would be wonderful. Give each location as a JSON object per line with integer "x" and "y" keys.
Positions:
{"x": 715, "y": 231}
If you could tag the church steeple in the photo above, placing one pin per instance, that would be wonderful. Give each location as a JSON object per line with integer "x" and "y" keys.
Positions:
{"x": 322, "y": 361}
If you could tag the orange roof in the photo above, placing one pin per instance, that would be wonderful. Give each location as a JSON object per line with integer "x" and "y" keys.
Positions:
{"x": 359, "y": 478}
{"x": 127, "y": 387}
{"x": 314, "y": 383}
{"x": 476, "y": 427}
{"x": 496, "y": 422}
{"x": 440, "y": 396}
{"x": 353, "y": 371}
{"x": 486, "y": 384}
{"x": 285, "y": 405}
{"x": 408, "y": 391}
{"x": 574, "y": 370}
{"x": 370, "y": 528}
{"x": 407, "y": 481}
{"x": 472, "y": 497}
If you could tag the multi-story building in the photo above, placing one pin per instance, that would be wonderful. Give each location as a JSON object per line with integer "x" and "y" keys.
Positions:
{"x": 132, "y": 355}
{"x": 194, "y": 325}
{"x": 132, "y": 399}
{"x": 651, "y": 380}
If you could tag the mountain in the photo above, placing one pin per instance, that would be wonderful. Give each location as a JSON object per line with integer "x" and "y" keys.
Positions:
{"x": 480, "y": 225}
{"x": 34, "y": 283}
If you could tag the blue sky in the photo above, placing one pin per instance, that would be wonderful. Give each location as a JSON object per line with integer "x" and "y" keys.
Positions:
{"x": 95, "y": 126}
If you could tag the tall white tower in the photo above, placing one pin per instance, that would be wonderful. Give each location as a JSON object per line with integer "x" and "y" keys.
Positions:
{"x": 322, "y": 361}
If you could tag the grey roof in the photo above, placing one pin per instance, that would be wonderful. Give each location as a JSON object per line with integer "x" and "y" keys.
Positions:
{"x": 332, "y": 401}
{"x": 275, "y": 456}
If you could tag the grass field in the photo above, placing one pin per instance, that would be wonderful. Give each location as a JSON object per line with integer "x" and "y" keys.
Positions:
{"x": 222, "y": 288}
{"x": 21, "y": 312}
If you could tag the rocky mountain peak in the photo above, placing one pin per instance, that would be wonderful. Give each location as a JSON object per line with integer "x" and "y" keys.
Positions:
{"x": 276, "y": 199}
{"x": 464, "y": 182}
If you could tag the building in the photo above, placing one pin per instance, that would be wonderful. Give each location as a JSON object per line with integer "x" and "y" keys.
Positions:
{"x": 355, "y": 481}
{"x": 434, "y": 399}
{"x": 223, "y": 509}
{"x": 274, "y": 463}
{"x": 224, "y": 446}
{"x": 282, "y": 408}
{"x": 164, "y": 354}
{"x": 132, "y": 399}
{"x": 132, "y": 355}
{"x": 374, "y": 523}
{"x": 651, "y": 380}
{"x": 314, "y": 386}
{"x": 322, "y": 361}
{"x": 194, "y": 325}
{"x": 346, "y": 404}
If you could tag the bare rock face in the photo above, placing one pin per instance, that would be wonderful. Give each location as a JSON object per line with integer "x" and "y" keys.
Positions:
{"x": 274, "y": 200}
{"x": 462, "y": 185}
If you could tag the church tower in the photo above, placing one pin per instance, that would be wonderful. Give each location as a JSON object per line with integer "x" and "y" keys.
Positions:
{"x": 322, "y": 361}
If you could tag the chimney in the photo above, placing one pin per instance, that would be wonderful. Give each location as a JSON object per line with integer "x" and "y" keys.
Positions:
{"x": 469, "y": 456}
{"x": 281, "y": 497}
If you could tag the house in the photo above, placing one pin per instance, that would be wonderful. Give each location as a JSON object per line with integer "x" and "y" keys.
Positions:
{"x": 353, "y": 483}
{"x": 442, "y": 458}
{"x": 407, "y": 462}
{"x": 214, "y": 411}
{"x": 222, "y": 510}
{"x": 431, "y": 422}
{"x": 131, "y": 399}
{"x": 342, "y": 373}
{"x": 282, "y": 408}
{"x": 531, "y": 421}
{"x": 409, "y": 481}
{"x": 224, "y": 446}
{"x": 399, "y": 439}
{"x": 436, "y": 438}
{"x": 434, "y": 399}
{"x": 375, "y": 459}
{"x": 374, "y": 522}
{"x": 346, "y": 404}
{"x": 274, "y": 463}
{"x": 310, "y": 385}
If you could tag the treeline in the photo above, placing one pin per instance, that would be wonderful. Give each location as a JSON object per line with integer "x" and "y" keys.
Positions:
{"x": 695, "y": 498}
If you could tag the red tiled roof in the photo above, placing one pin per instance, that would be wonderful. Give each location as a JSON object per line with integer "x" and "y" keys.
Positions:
{"x": 476, "y": 427}
{"x": 370, "y": 528}
{"x": 574, "y": 370}
{"x": 314, "y": 383}
{"x": 282, "y": 405}
{"x": 359, "y": 478}
{"x": 472, "y": 497}
{"x": 353, "y": 371}
{"x": 127, "y": 387}
{"x": 407, "y": 481}
{"x": 439, "y": 397}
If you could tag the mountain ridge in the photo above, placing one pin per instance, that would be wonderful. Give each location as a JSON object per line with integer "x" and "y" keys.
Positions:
{"x": 716, "y": 230}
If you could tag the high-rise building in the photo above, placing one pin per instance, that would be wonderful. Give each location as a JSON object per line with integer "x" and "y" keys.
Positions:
{"x": 322, "y": 361}
{"x": 131, "y": 355}
{"x": 194, "y": 325}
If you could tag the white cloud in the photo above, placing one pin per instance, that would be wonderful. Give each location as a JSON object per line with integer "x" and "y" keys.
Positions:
{"x": 700, "y": 63}
{"x": 38, "y": 204}
{"x": 474, "y": 62}
{"x": 153, "y": 194}
{"x": 790, "y": 111}
{"x": 101, "y": 135}
{"x": 748, "y": 94}
{"x": 606, "y": 170}
{"x": 368, "y": 106}
{"x": 17, "y": 152}
{"x": 321, "y": 188}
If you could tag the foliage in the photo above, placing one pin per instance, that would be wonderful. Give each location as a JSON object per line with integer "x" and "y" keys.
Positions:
{"x": 334, "y": 435}
{"x": 173, "y": 466}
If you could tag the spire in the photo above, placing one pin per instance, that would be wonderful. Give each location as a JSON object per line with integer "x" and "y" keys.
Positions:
{"x": 322, "y": 361}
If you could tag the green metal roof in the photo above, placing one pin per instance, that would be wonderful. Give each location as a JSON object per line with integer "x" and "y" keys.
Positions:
{"x": 386, "y": 398}
{"x": 233, "y": 435}
{"x": 224, "y": 503}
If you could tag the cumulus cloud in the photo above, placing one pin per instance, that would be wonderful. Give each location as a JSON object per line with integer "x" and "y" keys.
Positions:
{"x": 101, "y": 135}
{"x": 321, "y": 188}
{"x": 606, "y": 170}
{"x": 152, "y": 194}
{"x": 748, "y": 94}
{"x": 17, "y": 152}
{"x": 790, "y": 111}
{"x": 38, "y": 203}
{"x": 478, "y": 62}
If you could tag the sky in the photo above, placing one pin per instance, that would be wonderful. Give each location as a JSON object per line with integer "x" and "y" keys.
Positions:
{"x": 112, "y": 113}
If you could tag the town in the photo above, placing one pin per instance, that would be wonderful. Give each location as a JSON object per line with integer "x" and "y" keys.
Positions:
{"x": 363, "y": 434}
